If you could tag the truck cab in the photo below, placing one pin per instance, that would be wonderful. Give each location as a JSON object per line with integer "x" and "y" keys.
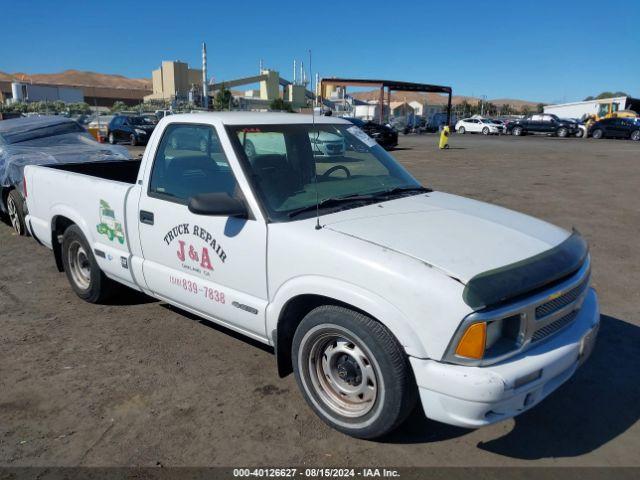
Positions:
{"x": 376, "y": 291}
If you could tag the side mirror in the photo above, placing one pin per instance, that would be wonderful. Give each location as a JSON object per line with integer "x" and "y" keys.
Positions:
{"x": 217, "y": 204}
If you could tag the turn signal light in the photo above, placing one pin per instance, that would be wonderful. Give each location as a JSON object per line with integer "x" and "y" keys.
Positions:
{"x": 472, "y": 343}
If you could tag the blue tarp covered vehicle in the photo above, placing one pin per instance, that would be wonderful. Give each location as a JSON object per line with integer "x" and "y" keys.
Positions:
{"x": 39, "y": 141}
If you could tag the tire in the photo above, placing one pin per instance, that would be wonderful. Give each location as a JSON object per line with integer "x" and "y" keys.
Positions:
{"x": 597, "y": 134}
{"x": 16, "y": 210}
{"x": 579, "y": 133}
{"x": 112, "y": 138}
{"x": 485, "y": 131}
{"x": 635, "y": 135}
{"x": 517, "y": 131}
{"x": 81, "y": 268}
{"x": 133, "y": 140}
{"x": 462, "y": 130}
{"x": 562, "y": 132}
{"x": 335, "y": 351}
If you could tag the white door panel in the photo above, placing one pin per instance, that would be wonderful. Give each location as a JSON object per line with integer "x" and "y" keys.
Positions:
{"x": 215, "y": 265}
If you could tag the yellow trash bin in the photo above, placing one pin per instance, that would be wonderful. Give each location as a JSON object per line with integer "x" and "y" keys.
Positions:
{"x": 444, "y": 137}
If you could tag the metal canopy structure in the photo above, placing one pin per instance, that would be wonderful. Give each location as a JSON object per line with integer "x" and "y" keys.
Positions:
{"x": 390, "y": 85}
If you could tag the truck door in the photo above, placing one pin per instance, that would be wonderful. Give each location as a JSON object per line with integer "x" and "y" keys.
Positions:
{"x": 213, "y": 265}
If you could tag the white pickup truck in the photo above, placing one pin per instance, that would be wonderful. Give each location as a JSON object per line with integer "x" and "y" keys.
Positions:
{"x": 374, "y": 290}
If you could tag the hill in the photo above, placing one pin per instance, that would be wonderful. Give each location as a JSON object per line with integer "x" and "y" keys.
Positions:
{"x": 78, "y": 78}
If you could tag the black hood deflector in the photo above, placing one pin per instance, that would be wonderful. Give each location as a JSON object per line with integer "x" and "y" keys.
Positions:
{"x": 507, "y": 283}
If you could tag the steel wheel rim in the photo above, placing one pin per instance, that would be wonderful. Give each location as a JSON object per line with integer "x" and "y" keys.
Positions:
{"x": 79, "y": 265}
{"x": 342, "y": 374}
{"x": 13, "y": 215}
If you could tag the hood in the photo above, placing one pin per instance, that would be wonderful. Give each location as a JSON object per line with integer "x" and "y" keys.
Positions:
{"x": 459, "y": 236}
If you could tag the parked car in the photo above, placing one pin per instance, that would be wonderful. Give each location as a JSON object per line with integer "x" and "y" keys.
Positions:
{"x": 478, "y": 125}
{"x": 544, "y": 123}
{"x": 133, "y": 129}
{"x": 616, "y": 128}
{"x": 375, "y": 291}
{"x": 386, "y": 136}
{"x": 328, "y": 144}
{"x": 42, "y": 140}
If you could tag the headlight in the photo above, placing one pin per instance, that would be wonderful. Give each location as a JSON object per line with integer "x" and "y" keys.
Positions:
{"x": 140, "y": 131}
{"x": 488, "y": 339}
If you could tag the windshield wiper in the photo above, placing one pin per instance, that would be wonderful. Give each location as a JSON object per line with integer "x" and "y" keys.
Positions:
{"x": 330, "y": 202}
{"x": 397, "y": 190}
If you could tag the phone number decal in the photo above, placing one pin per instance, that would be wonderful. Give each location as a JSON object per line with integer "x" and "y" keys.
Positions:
{"x": 191, "y": 286}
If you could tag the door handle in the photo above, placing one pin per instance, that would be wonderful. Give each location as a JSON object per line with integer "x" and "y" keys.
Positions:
{"x": 146, "y": 217}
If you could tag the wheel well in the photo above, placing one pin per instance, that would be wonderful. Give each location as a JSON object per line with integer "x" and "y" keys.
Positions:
{"x": 58, "y": 226}
{"x": 290, "y": 317}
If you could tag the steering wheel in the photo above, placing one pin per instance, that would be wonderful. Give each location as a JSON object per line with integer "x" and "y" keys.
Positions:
{"x": 335, "y": 168}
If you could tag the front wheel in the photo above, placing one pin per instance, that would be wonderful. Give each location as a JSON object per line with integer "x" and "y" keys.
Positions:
{"x": 597, "y": 134}
{"x": 134, "y": 140}
{"x": 352, "y": 372}
{"x": 81, "y": 268}
{"x": 485, "y": 131}
{"x": 563, "y": 132}
{"x": 112, "y": 138}
{"x": 517, "y": 131}
{"x": 635, "y": 135}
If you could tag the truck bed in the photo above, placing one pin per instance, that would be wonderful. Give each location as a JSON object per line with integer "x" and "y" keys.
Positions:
{"x": 120, "y": 171}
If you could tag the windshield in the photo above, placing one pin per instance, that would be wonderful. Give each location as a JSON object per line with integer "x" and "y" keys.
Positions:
{"x": 43, "y": 131}
{"x": 139, "y": 121}
{"x": 288, "y": 164}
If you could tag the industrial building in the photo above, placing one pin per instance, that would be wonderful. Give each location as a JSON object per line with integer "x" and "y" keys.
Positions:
{"x": 174, "y": 80}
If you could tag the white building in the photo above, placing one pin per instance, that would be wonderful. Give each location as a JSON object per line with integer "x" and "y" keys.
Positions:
{"x": 28, "y": 92}
{"x": 591, "y": 107}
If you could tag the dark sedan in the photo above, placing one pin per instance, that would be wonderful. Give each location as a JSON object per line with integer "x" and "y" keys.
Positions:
{"x": 386, "y": 136}
{"x": 134, "y": 130}
{"x": 543, "y": 123}
{"x": 616, "y": 128}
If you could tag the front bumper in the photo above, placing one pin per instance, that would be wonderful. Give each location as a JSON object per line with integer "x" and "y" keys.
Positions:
{"x": 471, "y": 397}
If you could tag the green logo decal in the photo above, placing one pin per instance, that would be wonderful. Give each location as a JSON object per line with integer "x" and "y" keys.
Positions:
{"x": 108, "y": 225}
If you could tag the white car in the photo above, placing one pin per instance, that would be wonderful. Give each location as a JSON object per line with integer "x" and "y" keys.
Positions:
{"x": 326, "y": 143}
{"x": 375, "y": 291}
{"x": 478, "y": 125}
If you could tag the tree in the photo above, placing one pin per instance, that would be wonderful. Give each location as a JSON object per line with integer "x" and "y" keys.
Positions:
{"x": 223, "y": 99}
{"x": 540, "y": 108}
{"x": 526, "y": 110}
{"x": 280, "y": 105}
{"x": 118, "y": 106}
{"x": 606, "y": 95}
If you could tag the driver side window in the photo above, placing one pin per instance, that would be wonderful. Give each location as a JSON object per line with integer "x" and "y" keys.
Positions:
{"x": 188, "y": 162}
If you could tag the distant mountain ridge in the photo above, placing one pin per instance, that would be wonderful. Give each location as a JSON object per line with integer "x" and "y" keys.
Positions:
{"x": 79, "y": 78}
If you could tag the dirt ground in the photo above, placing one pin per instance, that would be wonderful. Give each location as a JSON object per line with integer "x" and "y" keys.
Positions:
{"x": 140, "y": 383}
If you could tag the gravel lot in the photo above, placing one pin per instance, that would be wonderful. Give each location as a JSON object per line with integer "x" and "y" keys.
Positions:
{"x": 140, "y": 383}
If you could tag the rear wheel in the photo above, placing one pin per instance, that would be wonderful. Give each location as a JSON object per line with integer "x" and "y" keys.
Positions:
{"x": 16, "y": 210}
{"x": 461, "y": 130}
{"x": 597, "y": 133}
{"x": 133, "y": 140}
{"x": 517, "y": 131}
{"x": 635, "y": 135}
{"x": 352, "y": 372}
{"x": 81, "y": 268}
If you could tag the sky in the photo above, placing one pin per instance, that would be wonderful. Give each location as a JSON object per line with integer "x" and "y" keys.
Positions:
{"x": 546, "y": 51}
